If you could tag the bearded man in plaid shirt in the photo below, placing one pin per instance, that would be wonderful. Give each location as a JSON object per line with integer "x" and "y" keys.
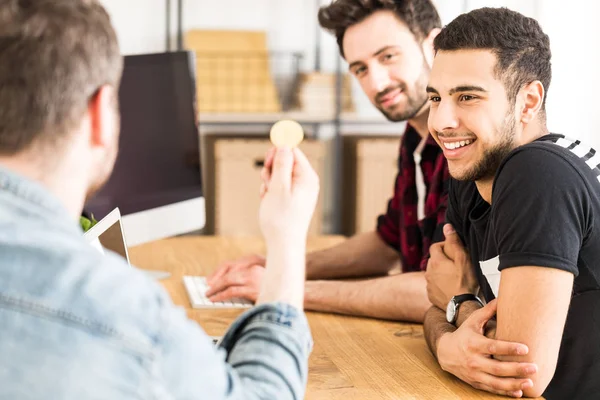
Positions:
{"x": 388, "y": 45}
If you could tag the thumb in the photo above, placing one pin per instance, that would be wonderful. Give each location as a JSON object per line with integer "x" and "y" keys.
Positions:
{"x": 283, "y": 163}
{"x": 452, "y": 243}
{"x": 302, "y": 166}
{"x": 450, "y": 232}
{"x": 480, "y": 317}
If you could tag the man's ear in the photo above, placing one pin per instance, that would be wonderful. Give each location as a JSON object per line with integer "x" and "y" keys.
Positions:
{"x": 427, "y": 46}
{"x": 531, "y": 98}
{"x": 102, "y": 111}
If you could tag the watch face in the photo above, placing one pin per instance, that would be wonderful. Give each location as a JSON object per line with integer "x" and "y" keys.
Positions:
{"x": 450, "y": 311}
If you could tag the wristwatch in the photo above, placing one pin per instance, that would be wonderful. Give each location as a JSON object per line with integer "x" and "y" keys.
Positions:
{"x": 455, "y": 302}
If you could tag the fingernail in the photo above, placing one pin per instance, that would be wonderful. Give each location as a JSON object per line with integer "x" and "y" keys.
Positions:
{"x": 526, "y": 385}
{"x": 517, "y": 393}
{"x": 530, "y": 370}
{"x": 521, "y": 350}
{"x": 448, "y": 229}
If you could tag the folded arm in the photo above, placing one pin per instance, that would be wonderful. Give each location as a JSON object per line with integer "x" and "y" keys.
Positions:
{"x": 469, "y": 355}
{"x": 532, "y": 309}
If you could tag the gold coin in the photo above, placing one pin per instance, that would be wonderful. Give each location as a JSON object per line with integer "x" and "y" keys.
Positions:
{"x": 287, "y": 133}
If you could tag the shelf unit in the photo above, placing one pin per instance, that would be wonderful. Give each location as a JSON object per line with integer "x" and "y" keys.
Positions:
{"x": 312, "y": 121}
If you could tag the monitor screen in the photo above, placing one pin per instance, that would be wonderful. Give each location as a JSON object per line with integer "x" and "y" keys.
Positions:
{"x": 159, "y": 153}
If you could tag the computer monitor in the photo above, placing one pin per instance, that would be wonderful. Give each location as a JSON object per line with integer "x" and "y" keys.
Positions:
{"x": 157, "y": 180}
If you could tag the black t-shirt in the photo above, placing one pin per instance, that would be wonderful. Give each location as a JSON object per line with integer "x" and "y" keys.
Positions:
{"x": 545, "y": 212}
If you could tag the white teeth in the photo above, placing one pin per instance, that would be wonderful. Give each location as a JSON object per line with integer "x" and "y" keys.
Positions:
{"x": 456, "y": 145}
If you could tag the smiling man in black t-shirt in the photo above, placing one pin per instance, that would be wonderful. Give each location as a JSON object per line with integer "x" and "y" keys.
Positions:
{"x": 526, "y": 206}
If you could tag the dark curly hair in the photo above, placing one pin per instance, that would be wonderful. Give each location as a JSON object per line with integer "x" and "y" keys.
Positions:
{"x": 420, "y": 16}
{"x": 520, "y": 45}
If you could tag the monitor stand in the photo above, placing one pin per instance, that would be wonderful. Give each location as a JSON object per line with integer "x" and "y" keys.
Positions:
{"x": 165, "y": 221}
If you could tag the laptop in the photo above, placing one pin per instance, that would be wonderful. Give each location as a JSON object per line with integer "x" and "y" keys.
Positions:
{"x": 108, "y": 234}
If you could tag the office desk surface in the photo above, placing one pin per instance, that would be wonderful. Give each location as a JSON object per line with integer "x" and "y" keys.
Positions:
{"x": 353, "y": 358}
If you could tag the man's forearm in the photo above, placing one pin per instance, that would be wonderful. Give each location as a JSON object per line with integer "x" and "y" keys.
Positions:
{"x": 465, "y": 310}
{"x": 362, "y": 255}
{"x": 435, "y": 326}
{"x": 401, "y": 297}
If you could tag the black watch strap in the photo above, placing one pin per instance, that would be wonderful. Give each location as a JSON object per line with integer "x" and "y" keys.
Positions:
{"x": 454, "y": 305}
{"x": 461, "y": 298}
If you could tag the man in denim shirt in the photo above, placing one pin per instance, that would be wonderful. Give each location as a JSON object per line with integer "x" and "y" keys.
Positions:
{"x": 75, "y": 324}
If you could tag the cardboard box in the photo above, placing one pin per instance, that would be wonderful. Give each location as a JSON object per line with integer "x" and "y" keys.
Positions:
{"x": 236, "y": 182}
{"x": 369, "y": 179}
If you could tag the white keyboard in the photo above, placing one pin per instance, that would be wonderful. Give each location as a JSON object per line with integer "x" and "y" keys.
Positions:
{"x": 196, "y": 288}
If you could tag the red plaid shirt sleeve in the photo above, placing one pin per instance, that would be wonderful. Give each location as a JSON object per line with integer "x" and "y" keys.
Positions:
{"x": 400, "y": 227}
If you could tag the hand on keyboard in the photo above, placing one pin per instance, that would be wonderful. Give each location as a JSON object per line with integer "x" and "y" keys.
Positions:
{"x": 240, "y": 278}
{"x": 196, "y": 287}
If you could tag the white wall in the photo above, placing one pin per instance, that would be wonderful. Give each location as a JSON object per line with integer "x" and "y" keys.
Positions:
{"x": 574, "y": 32}
{"x": 140, "y": 24}
{"x": 573, "y": 106}
{"x": 292, "y": 26}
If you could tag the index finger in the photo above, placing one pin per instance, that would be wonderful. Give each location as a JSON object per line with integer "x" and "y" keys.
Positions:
{"x": 283, "y": 167}
{"x": 301, "y": 163}
{"x": 496, "y": 347}
{"x": 218, "y": 273}
{"x": 269, "y": 157}
{"x": 506, "y": 369}
{"x": 265, "y": 173}
{"x": 436, "y": 250}
{"x": 230, "y": 279}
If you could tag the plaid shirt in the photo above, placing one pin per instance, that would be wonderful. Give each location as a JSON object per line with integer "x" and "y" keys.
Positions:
{"x": 400, "y": 227}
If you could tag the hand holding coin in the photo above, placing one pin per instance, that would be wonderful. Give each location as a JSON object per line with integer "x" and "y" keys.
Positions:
{"x": 287, "y": 133}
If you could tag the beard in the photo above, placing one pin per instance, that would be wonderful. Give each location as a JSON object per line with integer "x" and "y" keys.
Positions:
{"x": 416, "y": 97}
{"x": 489, "y": 163}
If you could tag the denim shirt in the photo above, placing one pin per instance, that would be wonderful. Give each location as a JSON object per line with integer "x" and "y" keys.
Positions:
{"x": 76, "y": 324}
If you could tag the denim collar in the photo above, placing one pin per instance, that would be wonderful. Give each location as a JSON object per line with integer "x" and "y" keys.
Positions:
{"x": 32, "y": 196}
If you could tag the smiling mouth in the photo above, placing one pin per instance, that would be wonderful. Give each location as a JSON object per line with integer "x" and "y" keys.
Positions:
{"x": 390, "y": 97}
{"x": 458, "y": 144}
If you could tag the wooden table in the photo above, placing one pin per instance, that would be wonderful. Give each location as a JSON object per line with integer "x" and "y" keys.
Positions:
{"x": 353, "y": 358}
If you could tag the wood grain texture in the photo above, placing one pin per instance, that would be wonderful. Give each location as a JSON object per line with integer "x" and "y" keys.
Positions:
{"x": 352, "y": 358}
